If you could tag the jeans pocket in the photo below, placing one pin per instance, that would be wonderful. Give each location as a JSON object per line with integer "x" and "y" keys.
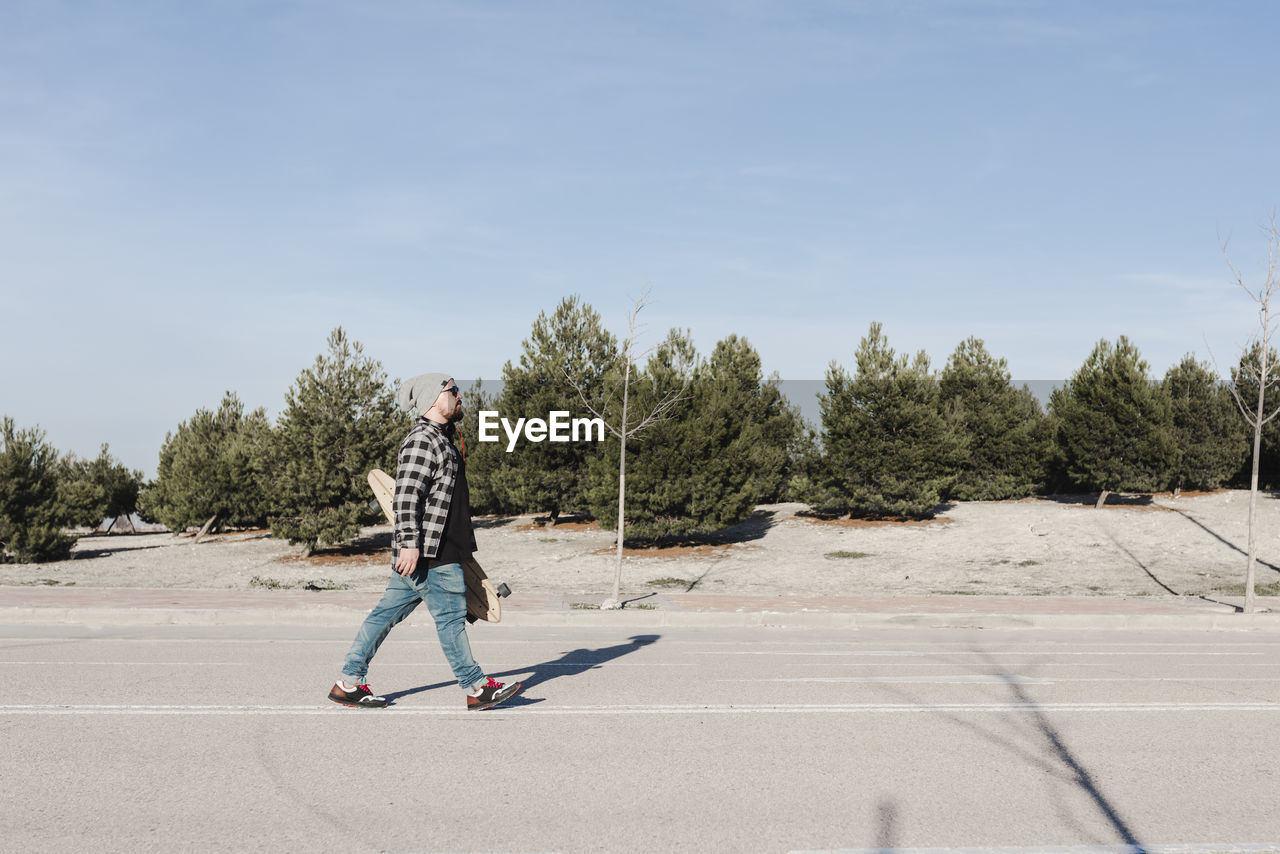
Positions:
{"x": 448, "y": 578}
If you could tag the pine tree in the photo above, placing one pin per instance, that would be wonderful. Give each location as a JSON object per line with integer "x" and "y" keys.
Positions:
{"x": 1211, "y": 437}
{"x": 887, "y": 448}
{"x": 1004, "y": 435}
{"x": 214, "y": 466}
{"x": 770, "y": 426}
{"x": 97, "y": 489}
{"x": 340, "y": 420}
{"x": 483, "y": 458}
{"x": 658, "y": 464}
{"x": 1243, "y": 376}
{"x": 617, "y": 407}
{"x": 1114, "y": 429}
{"x": 567, "y": 349}
{"x": 32, "y": 517}
{"x": 721, "y": 452}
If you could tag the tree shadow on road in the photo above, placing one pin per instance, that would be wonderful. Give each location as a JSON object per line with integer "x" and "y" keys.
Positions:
{"x": 572, "y": 663}
{"x": 1042, "y": 747}
{"x": 1067, "y": 759}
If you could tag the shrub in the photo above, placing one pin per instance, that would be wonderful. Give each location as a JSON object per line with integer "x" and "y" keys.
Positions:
{"x": 214, "y": 464}
{"x": 340, "y": 420}
{"x": 546, "y": 476}
{"x": 31, "y": 515}
{"x": 97, "y": 489}
{"x": 724, "y": 449}
{"x": 1211, "y": 436}
{"x": 1004, "y": 437}
{"x": 887, "y": 449}
{"x": 1114, "y": 431}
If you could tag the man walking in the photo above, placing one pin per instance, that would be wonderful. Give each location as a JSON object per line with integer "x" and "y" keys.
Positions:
{"x": 432, "y": 538}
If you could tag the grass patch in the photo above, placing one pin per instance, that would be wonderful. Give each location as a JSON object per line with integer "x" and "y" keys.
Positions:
{"x": 669, "y": 581}
{"x": 846, "y": 555}
{"x": 1029, "y": 563}
{"x": 584, "y": 606}
{"x": 548, "y": 539}
{"x": 323, "y": 584}
{"x": 1272, "y": 589}
{"x": 642, "y": 607}
{"x": 267, "y": 583}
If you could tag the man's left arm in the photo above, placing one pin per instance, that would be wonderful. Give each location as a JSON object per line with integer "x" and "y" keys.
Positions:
{"x": 413, "y": 479}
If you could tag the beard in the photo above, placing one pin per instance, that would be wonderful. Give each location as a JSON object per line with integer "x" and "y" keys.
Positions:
{"x": 457, "y": 415}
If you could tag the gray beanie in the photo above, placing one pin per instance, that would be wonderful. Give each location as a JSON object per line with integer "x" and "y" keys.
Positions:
{"x": 421, "y": 391}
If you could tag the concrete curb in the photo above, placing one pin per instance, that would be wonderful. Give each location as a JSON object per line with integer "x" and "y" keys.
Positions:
{"x": 322, "y": 615}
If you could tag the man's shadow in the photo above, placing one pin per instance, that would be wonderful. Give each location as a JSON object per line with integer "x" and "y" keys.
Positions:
{"x": 570, "y": 663}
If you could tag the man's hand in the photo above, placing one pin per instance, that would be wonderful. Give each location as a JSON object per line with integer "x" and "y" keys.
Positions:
{"x": 407, "y": 562}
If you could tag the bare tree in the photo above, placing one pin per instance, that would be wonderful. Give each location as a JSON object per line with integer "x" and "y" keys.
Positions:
{"x": 625, "y": 429}
{"x": 1266, "y": 374}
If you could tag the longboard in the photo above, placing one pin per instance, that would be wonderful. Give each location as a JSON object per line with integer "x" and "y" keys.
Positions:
{"x": 483, "y": 601}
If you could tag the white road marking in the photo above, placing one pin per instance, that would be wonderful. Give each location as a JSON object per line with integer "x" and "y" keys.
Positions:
{"x": 657, "y": 709}
{"x": 1003, "y": 678}
{"x": 1142, "y": 848}
{"x": 970, "y": 652}
{"x": 578, "y": 637}
{"x": 530, "y": 668}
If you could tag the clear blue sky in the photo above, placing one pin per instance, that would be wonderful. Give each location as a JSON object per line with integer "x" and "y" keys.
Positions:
{"x": 192, "y": 195}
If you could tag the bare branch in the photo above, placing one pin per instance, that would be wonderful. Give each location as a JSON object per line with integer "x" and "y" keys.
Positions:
{"x": 1235, "y": 274}
{"x": 583, "y": 397}
{"x": 1249, "y": 418}
{"x": 1263, "y": 374}
{"x": 661, "y": 409}
{"x": 1273, "y": 414}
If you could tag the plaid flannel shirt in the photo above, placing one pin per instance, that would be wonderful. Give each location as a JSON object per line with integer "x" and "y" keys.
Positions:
{"x": 426, "y": 472}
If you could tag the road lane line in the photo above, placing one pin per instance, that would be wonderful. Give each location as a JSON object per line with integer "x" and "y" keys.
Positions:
{"x": 986, "y": 678}
{"x": 1141, "y": 848}
{"x": 1038, "y": 665}
{"x": 969, "y": 652}
{"x": 530, "y": 668}
{"x": 625, "y": 709}
{"x": 584, "y": 635}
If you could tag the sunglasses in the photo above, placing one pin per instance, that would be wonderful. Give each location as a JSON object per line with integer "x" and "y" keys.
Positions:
{"x": 453, "y": 389}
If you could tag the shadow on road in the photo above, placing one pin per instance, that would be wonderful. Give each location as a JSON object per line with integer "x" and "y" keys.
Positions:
{"x": 886, "y": 826}
{"x": 572, "y": 663}
{"x": 1041, "y": 746}
{"x": 1060, "y": 753}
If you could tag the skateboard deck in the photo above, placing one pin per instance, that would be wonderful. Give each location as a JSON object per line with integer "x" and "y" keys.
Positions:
{"x": 483, "y": 601}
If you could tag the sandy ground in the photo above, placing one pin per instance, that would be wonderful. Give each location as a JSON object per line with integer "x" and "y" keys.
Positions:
{"x": 1144, "y": 546}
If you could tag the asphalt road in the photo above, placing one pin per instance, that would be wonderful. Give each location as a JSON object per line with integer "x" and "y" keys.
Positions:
{"x": 683, "y": 739}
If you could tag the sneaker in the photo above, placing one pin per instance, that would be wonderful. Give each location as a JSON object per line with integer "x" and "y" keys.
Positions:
{"x": 360, "y": 698}
{"x": 491, "y": 695}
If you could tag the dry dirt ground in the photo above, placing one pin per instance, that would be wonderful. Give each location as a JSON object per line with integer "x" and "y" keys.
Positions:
{"x": 1138, "y": 546}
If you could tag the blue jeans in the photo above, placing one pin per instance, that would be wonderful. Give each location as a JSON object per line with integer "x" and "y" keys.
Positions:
{"x": 444, "y": 590}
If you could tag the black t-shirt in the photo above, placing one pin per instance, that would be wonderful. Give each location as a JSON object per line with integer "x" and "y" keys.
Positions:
{"x": 455, "y": 542}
